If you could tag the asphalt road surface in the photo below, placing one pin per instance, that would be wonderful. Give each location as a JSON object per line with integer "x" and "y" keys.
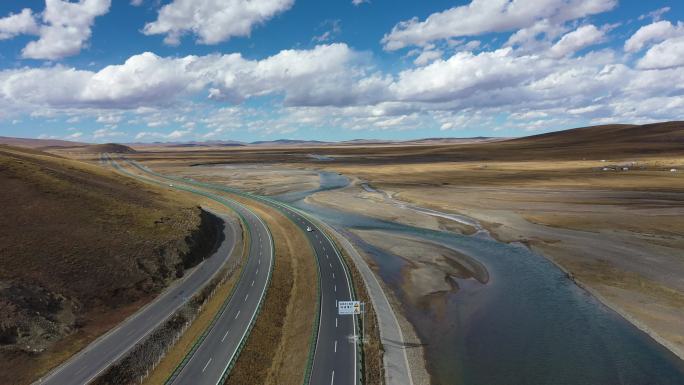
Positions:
{"x": 336, "y": 345}
{"x": 211, "y": 360}
{"x": 335, "y": 357}
{"x": 100, "y": 354}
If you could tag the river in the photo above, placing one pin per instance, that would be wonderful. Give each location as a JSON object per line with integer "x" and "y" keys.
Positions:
{"x": 529, "y": 325}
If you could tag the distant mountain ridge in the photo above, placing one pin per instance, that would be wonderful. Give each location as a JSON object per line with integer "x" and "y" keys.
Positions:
{"x": 55, "y": 143}
{"x": 38, "y": 143}
{"x": 663, "y": 136}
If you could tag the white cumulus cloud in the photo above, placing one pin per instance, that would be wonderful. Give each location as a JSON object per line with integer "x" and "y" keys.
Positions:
{"x": 21, "y": 23}
{"x": 427, "y": 56}
{"x": 213, "y": 21}
{"x": 582, "y": 37}
{"x": 484, "y": 16}
{"x": 67, "y": 28}
{"x": 668, "y": 54}
{"x": 333, "y": 85}
{"x": 465, "y": 74}
{"x": 326, "y": 74}
{"x": 653, "y": 33}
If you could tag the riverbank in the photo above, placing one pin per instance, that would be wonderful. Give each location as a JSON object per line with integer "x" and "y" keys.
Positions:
{"x": 403, "y": 352}
{"x": 376, "y": 204}
{"x": 431, "y": 269}
{"x": 616, "y": 267}
{"x": 620, "y": 235}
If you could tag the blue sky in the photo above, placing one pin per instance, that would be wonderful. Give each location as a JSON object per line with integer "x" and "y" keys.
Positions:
{"x": 147, "y": 70}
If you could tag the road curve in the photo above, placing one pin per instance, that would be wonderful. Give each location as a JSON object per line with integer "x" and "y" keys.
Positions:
{"x": 335, "y": 359}
{"x": 210, "y": 363}
{"x": 100, "y": 354}
{"x": 335, "y": 355}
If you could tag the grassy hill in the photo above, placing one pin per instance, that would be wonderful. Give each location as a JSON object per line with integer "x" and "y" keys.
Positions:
{"x": 597, "y": 142}
{"x": 80, "y": 249}
{"x": 587, "y": 143}
{"x": 114, "y": 148}
{"x": 610, "y": 140}
{"x": 38, "y": 143}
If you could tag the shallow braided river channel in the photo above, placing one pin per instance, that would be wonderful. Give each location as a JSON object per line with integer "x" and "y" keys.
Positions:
{"x": 529, "y": 324}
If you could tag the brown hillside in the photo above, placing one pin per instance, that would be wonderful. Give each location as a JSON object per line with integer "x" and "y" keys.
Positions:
{"x": 81, "y": 248}
{"x": 590, "y": 143}
{"x": 38, "y": 143}
{"x": 626, "y": 139}
{"x": 114, "y": 148}
{"x": 598, "y": 142}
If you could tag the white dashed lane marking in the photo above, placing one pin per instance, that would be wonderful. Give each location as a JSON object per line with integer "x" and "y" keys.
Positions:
{"x": 205, "y": 365}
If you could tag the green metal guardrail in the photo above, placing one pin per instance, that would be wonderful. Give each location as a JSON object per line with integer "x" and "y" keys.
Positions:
{"x": 204, "y": 334}
{"x": 278, "y": 205}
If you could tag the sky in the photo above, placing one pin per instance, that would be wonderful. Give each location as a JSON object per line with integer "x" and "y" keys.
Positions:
{"x": 205, "y": 70}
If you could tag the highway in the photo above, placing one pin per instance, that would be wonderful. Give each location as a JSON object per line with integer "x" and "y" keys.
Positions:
{"x": 336, "y": 346}
{"x": 211, "y": 362}
{"x": 100, "y": 354}
{"x": 336, "y": 349}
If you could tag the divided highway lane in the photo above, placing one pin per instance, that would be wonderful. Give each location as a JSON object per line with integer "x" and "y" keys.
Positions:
{"x": 335, "y": 356}
{"x": 211, "y": 361}
{"x": 100, "y": 354}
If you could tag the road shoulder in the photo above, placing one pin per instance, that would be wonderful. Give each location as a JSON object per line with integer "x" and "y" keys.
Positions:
{"x": 403, "y": 358}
